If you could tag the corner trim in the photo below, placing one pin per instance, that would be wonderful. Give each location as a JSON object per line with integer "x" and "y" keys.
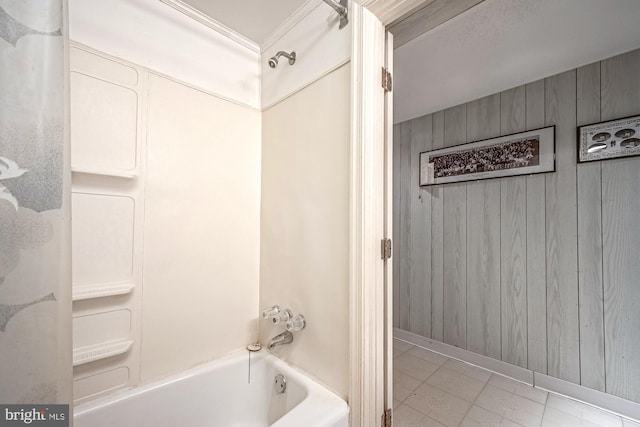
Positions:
{"x": 205, "y": 20}
{"x": 288, "y": 24}
{"x": 608, "y": 402}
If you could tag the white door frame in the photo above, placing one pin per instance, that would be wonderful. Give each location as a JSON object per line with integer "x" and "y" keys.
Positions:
{"x": 371, "y": 182}
{"x": 366, "y": 394}
{"x": 388, "y": 226}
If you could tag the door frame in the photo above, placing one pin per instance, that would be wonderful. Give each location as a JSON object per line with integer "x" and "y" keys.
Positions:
{"x": 371, "y": 287}
{"x": 367, "y": 383}
{"x": 371, "y": 208}
{"x": 388, "y": 225}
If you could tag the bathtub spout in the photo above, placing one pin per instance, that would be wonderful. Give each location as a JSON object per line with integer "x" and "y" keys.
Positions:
{"x": 284, "y": 338}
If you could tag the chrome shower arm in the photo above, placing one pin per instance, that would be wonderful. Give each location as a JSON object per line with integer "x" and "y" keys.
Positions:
{"x": 290, "y": 56}
{"x": 341, "y": 9}
{"x": 273, "y": 61}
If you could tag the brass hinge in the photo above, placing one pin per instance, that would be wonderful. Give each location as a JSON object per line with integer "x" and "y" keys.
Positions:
{"x": 385, "y": 248}
{"x": 386, "y": 418}
{"x": 387, "y": 80}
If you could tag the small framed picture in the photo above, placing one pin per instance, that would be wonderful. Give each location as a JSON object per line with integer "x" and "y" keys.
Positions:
{"x": 609, "y": 140}
{"x": 522, "y": 153}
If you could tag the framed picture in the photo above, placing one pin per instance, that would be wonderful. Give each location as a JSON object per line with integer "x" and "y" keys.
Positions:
{"x": 518, "y": 154}
{"x": 609, "y": 140}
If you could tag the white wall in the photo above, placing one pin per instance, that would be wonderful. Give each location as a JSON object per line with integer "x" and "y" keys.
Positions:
{"x": 500, "y": 44}
{"x": 154, "y": 35}
{"x": 195, "y": 118}
{"x": 304, "y": 258}
{"x": 201, "y": 228}
{"x": 202, "y": 185}
{"x": 305, "y": 225}
{"x": 320, "y": 47}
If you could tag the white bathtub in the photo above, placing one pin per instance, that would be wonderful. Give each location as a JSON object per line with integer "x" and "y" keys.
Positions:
{"x": 218, "y": 394}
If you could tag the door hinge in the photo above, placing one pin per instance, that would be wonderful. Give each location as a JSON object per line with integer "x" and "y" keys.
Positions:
{"x": 387, "y": 80}
{"x": 385, "y": 246}
{"x": 386, "y": 418}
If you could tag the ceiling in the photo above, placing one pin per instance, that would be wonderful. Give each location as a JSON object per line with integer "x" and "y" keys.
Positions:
{"x": 254, "y": 19}
{"x": 500, "y": 44}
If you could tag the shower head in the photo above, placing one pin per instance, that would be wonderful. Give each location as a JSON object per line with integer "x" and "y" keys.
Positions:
{"x": 273, "y": 61}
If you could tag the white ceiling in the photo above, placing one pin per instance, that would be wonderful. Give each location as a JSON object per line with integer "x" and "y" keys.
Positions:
{"x": 501, "y": 44}
{"x": 254, "y": 19}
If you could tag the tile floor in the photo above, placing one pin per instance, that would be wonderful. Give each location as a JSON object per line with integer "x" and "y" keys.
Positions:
{"x": 432, "y": 390}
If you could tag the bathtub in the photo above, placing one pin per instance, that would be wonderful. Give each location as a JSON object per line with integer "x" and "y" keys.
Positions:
{"x": 221, "y": 393}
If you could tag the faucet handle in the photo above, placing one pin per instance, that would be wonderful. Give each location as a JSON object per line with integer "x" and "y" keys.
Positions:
{"x": 295, "y": 324}
{"x": 271, "y": 312}
{"x": 282, "y": 317}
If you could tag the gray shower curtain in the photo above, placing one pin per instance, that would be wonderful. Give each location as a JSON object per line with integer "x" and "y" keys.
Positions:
{"x": 35, "y": 301}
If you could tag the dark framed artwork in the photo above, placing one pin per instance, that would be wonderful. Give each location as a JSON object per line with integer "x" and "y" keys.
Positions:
{"x": 609, "y": 140}
{"x": 522, "y": 153}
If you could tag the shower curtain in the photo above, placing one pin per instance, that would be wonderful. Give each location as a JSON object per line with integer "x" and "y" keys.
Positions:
{"x": 35, "y": 289}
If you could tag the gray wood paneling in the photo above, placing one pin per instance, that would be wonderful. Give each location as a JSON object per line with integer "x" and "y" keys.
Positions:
{"x": 419, "y": 256}
{"x": 455, "y": 244}
{"x": 455, "y": 265}
{"x": 437, "y": 239}
{"x": 562, "y": 232}
{"x": 483, "y": 119}
{"x": 539, "y": 271}
{"x": 513, "y": 110}
{"x": 396, "y": 226}
{"x": 590, "y": 239}
{"x": 405, "y": 220}
{"x": 513, "y": 245}
{"x": 536, "y": 244}
{"x": 483, "y": 239}
{"x": 620, "y": 87}
{"x": 455, "y": 127}
{"x": 621, "y": 234}
{"x": 483, "y": 268}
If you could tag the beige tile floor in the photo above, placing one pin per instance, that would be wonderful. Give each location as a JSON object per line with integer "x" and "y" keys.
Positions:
{"x": 432, "y": 390}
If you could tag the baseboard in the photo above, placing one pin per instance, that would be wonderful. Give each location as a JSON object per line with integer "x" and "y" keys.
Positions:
{"x": 608, "y": 402}
{"x": 493, "y": 365}
{"x": 615, "y": 404}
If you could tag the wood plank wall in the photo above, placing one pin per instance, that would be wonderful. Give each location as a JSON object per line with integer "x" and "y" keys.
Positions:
{"x": 539, "y": 271}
